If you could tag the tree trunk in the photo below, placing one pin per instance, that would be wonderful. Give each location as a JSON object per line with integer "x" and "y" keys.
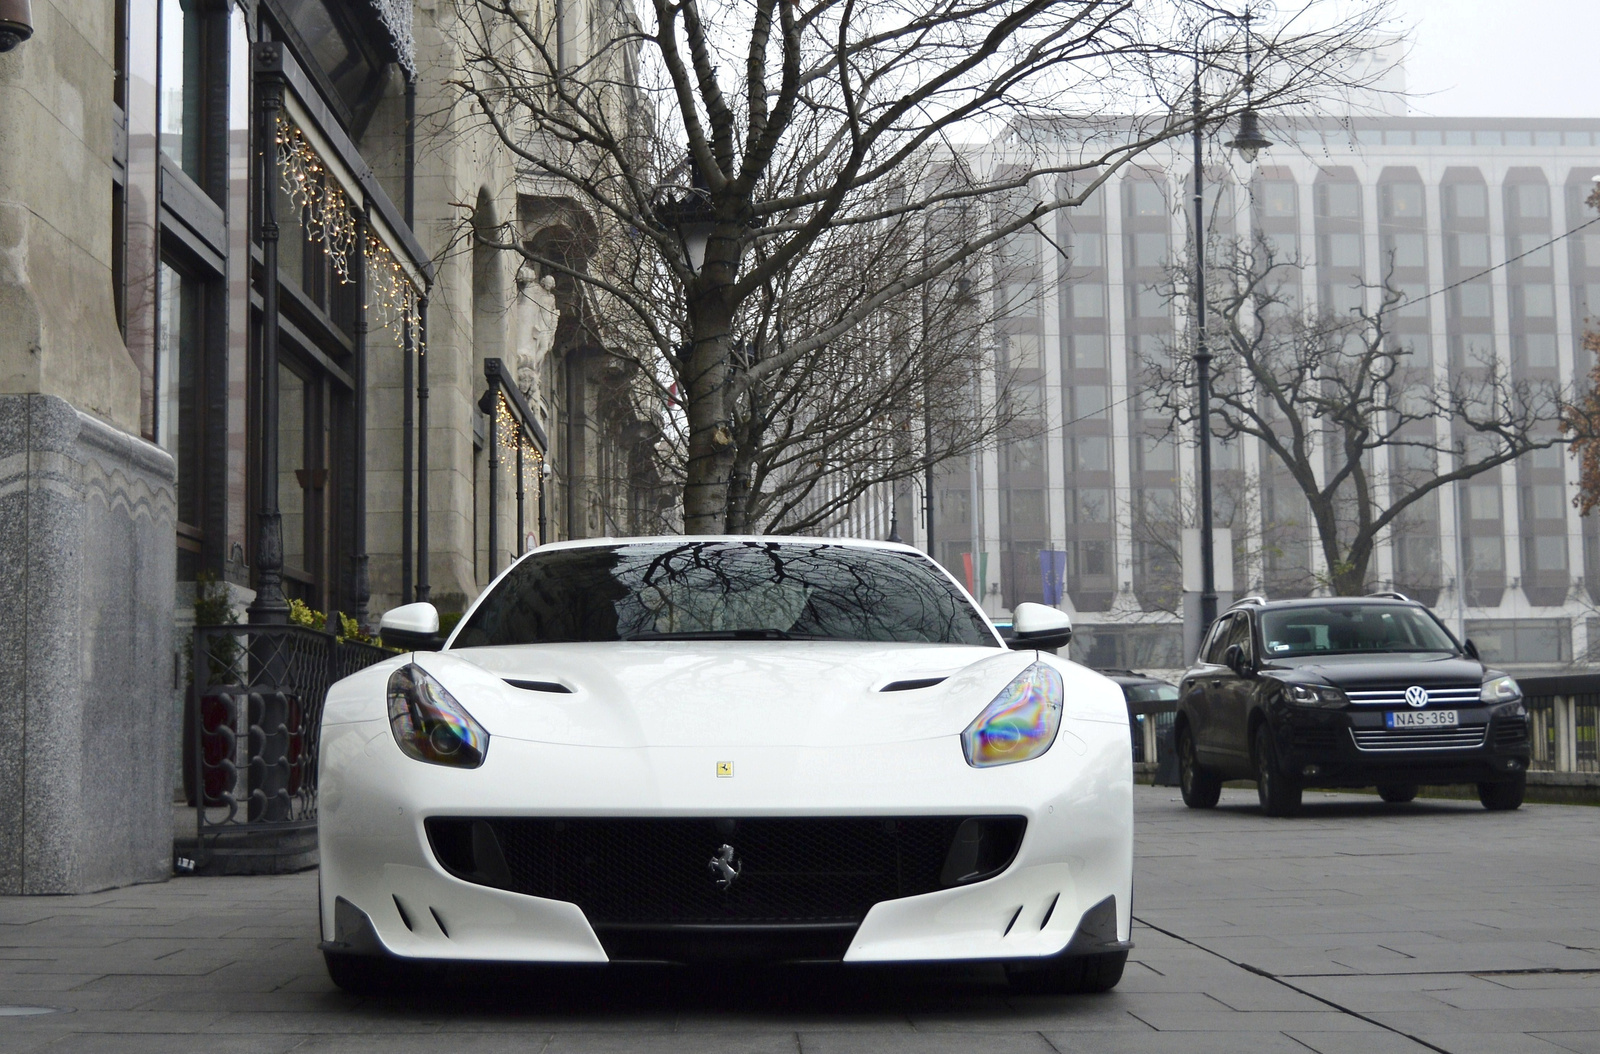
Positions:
{"x": 711, "y": 449}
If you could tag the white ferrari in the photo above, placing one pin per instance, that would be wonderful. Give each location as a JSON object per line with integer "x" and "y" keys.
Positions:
{"x": 692, "y": 749}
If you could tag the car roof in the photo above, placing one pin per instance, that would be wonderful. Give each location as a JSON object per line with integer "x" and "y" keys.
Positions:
{"x": 679, "y": 539}
{"x": 1257, "y": 604}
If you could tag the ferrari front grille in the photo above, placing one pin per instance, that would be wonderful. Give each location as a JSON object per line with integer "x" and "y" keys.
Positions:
{"x": 753, "y": 870}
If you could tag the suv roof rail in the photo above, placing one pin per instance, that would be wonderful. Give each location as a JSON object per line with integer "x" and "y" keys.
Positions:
{"x": 1254, "y": 598}
{"x": 1390, "y": 594}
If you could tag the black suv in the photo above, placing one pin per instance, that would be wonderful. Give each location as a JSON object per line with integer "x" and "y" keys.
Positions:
{"x": 1345, "y": 692}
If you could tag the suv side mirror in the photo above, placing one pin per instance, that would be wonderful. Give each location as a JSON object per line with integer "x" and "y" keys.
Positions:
{"x": 411, "y": 627}
{"x": 1235, "y": 660}
{"x": 1037, "y": 626}
{"x": 1470, "y": 648}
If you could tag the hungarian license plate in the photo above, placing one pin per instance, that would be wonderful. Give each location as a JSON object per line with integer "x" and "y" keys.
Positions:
{"x": 1422, "y": 719}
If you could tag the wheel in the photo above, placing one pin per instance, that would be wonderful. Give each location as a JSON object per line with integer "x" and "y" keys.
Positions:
{"x": 1083, "y": 975}
{"x": 1397, "y": 793}
{"x": 1504, "y": 796}
{"x": 1279, "y": 793}
{"x": 1200, "y": 788}
{"x": 358, "y": 974}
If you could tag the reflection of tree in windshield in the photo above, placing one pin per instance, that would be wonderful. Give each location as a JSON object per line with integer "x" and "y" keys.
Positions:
{"x": 1350, "y": 628}
{"x": 724, "y": 590}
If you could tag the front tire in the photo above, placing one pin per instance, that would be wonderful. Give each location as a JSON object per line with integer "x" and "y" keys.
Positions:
{"x": 1279, "y": 792}
{"x": 1397, "y": 793}
{"x": 1083, "y": 975}
{"x": 1503, "y": 797}
{"x": 1200, "y": 789}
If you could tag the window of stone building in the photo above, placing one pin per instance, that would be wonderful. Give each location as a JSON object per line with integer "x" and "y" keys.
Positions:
{"x": 1339, "y": 200}
{"x": 1484, "y": 555}
{"x": 1467, "y": 201}
{"x": 182, "y": 96}
{"x": 1088, "y": 351}
{"x": 1091, "y": 453}
{"x": 1531, "y": 200}
{"x": 1522, "y": 640}
{"x": 1278, "y": 199}
{"x": 1470, "y": 250}
{"x": 180, "y": 395}
{"x": 1406, "y": 249}
{"x": 1402, "y": 201}
{"x": 1146, "y": 198}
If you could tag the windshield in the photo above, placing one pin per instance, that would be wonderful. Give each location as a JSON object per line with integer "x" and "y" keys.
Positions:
{"x": 1151, "y": 693}
{"x": 1292, "y": 632}
{"x": 724, "y": 591}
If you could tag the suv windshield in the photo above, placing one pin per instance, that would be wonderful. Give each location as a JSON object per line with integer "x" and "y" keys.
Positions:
{"x": 1291, "y": 632}
{"x": 724, "y": 591}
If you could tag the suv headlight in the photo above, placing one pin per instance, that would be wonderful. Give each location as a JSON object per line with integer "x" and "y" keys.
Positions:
{"x": 1500, "y": 690}
{"x": 429, "y": 724}
{"x": 1314, "y": 695}
{"x": 1021, "y": 723}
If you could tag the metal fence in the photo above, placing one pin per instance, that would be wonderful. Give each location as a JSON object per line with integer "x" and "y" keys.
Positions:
{"x": 1561, "y": 731}
{"x": 251, "y": 739}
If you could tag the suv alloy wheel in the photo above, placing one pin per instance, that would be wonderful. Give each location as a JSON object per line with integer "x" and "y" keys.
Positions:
{"x": 1200, "y": 788}
{"x": 1279, "y": 792}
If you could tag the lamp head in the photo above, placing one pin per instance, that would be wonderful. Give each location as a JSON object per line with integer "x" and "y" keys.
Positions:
{"x": 16, "y": 23}
{"x": 1249, "y": 142}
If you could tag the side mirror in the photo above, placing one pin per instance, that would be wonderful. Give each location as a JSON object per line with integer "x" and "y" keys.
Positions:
{"x": 1470, "y": 648}
{"x": 1041, "y": 627}
{"x": 411, "y": 627}
{"x": 1235, "y": 660}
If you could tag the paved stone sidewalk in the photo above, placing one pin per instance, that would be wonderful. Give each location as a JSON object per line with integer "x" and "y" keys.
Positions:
{"x": 1358, "y": 928}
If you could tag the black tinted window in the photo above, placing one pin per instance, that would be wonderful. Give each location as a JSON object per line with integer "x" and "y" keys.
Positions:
{"x": 1351, "y": 628}
{"x": 724, "y": 590}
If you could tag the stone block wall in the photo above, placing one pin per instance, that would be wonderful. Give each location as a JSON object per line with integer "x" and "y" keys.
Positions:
{"x": 87, "y": 660}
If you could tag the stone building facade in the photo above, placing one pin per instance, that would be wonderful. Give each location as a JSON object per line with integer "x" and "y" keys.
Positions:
{"x": 138, "y": 142}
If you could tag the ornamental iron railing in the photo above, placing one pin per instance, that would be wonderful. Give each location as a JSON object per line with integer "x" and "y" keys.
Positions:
{"x": 251, "y": 740}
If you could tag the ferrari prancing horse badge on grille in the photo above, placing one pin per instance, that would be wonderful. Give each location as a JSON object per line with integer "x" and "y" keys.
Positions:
{"x": 724, "y": 769}
{"x": 724, "y": 867}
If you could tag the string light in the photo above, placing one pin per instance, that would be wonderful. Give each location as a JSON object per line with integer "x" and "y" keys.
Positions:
{"x": 329, "y": 218}
{"x": 509, "y": 435}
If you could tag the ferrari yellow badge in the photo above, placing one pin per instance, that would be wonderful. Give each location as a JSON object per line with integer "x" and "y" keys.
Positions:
{"x": 724, "y": 769}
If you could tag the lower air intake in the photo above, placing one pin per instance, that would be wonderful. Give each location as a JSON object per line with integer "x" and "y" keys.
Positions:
{"x": 789, "y": 870}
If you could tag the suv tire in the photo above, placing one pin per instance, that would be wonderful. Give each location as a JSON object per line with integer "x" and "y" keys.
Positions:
{"x": 1200, "y": 789}
{"x": 1279, "y": 792}
{"x": 1397, "y": 793}
{"x": 1503, "y": 797}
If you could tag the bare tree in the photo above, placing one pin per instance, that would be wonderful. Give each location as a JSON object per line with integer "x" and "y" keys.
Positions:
{"x": 1346, "y": 409}
{"x": 814, "y": 123}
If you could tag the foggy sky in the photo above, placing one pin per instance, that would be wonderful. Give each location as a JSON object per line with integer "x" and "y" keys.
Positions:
{"x": 1503, "y": 58}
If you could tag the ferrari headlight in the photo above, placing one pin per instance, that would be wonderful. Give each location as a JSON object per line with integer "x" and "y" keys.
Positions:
{"x": 1314, "y": 695}
{"x": 1500, "y": 690}
{"x": 429, "y": 724}
{"x": 1021, "y": 723}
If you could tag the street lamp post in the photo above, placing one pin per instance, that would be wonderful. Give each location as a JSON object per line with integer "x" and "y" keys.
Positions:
{"x": 1248, "y": 143}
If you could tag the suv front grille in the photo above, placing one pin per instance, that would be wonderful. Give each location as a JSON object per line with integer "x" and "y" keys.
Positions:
{"x": 660, "y": 870}
{"x": 1461, "y": 738}
{"x": 1444, "y": 695}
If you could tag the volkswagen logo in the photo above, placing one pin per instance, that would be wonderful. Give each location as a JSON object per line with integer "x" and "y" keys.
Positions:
{"x": 1417, "y": 695}
{"x": 724, "y": 866}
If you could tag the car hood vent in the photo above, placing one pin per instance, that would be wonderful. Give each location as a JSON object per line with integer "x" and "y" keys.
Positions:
{"x": 912, "y": 684}
{"x": 540, "y": 686}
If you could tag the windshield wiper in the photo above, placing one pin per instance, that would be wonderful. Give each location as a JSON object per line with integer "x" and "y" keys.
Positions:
{"x": 728, "y": 634}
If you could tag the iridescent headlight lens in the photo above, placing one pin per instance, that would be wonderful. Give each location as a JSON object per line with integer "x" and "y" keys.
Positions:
{"x": 429, "y": 724}
{"x": 1500, "y": 690}
{"x": 1021, "y": 723}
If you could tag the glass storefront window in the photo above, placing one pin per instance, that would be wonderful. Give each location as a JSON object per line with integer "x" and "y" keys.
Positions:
{"x": 182, "y": 84}
{"x": 178, "y": 339}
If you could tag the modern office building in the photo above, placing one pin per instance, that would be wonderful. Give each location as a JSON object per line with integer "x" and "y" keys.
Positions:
{"x": 1085, "y": 510}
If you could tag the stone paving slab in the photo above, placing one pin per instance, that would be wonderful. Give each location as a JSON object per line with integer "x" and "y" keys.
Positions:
{"x": 1358, "y": 928}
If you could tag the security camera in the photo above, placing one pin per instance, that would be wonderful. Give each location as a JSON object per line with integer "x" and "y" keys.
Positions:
{"x": 16, "y": 23}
